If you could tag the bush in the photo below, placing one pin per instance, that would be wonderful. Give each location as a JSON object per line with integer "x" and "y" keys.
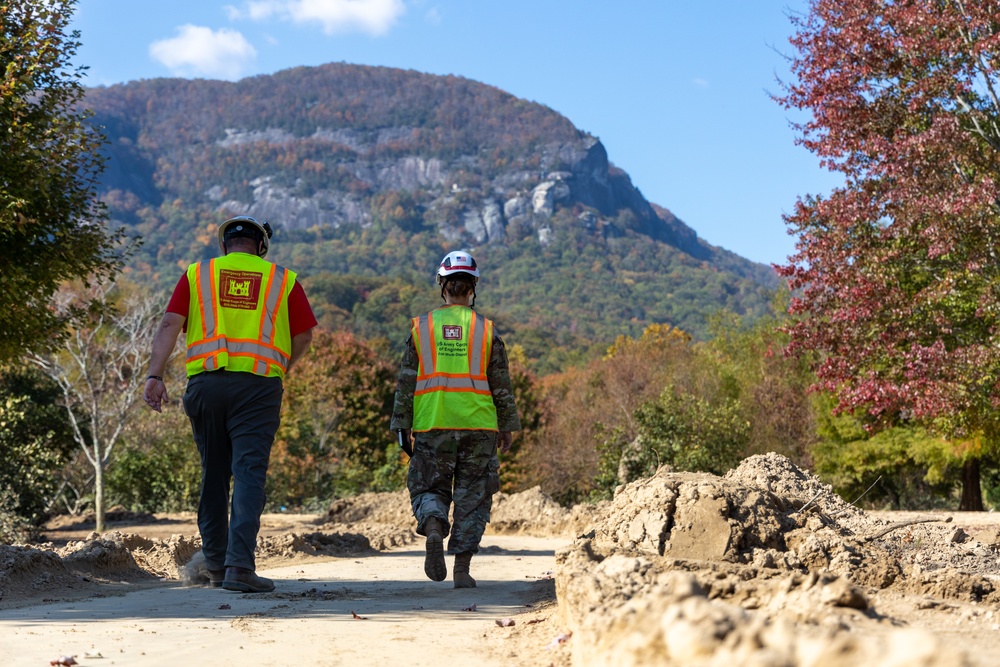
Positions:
{"x": 14, "y": 528}
{"x": 165, "y": 477}
{"x": 678, "y": 429}
{"x": 35, "y": 441}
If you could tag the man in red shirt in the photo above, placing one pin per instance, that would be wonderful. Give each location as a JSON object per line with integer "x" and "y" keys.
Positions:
{"x": 247, "y": 322}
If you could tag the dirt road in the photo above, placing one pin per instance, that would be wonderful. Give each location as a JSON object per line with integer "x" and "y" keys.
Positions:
{"x": 764, "y": 565}
{"x": 373, "y": 610}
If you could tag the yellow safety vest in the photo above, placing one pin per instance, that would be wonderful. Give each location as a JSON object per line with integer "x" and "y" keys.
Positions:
{"x": 238, "y": 316}
{"x": 454, "y": 345}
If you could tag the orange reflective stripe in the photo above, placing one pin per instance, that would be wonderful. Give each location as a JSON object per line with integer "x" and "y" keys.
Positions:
{"x": 252, "y": 348}
{"x": 266, "y": 321}
{"x": 206, "y": 347}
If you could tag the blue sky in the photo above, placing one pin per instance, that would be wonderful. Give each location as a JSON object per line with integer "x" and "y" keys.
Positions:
{"x": 676, "y": 91}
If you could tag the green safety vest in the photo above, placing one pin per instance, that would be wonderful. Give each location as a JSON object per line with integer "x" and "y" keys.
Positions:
{"x": 238, "y": 316}
{"x": 454, "y": 345}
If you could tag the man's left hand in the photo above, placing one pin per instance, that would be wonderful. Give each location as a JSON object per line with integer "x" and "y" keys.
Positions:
{"x": 504, "y": 440}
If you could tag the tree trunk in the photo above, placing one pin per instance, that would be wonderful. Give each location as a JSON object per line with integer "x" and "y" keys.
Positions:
{"x": 99, "y": 493}
{"x": 972, "y": 493}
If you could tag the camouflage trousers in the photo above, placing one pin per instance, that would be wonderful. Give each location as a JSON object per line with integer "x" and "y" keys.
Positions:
{"x": 454, "y": 467}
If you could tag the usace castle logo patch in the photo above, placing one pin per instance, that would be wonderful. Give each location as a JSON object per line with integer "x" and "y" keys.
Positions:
{"x": 451, "y": 332}
{"x": 239, "y": 289}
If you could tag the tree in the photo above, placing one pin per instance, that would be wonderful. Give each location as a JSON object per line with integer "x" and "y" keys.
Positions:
{"x": 335, "y": 421}
{"x": 583, "y": 406}
{"x": 99, "y": 370}
{"x": 897, "y": 269}
{"x": 770, "y": 387}
{"x": 35, "y": 440}
{"x": 904, "y": 467}
{"x": 52, "y": 229}
{"x": 689, "y": 433}
{"x": 531, "y": 411}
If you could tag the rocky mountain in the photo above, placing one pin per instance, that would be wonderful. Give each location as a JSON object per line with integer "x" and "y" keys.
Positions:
{"x": 377, "y": 172}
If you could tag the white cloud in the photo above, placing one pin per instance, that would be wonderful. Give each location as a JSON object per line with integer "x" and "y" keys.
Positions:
{"x": 200, "y": 51}
{"x": 371, "y": 16}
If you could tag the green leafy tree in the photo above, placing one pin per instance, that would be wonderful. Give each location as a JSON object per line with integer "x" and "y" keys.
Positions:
{"x": 52, "y": 229}
{"x": 165, "y": 477}
{"x": 157, "y": 467}
{"x": 678, "y": 429}
{"x": 903, "y": 467}
{"x": 35, "y": 441}
{"x": 584, "y": 405}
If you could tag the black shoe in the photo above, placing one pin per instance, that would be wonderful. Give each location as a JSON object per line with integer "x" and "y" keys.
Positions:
{"x": 216, "y": 577}
{"x": 246, "y": 581}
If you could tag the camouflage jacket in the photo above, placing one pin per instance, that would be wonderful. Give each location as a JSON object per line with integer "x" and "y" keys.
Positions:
{"x": 497, "y": 372}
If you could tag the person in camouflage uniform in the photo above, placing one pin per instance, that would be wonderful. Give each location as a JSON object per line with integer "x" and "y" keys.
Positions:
{"x": 455, "y": 400}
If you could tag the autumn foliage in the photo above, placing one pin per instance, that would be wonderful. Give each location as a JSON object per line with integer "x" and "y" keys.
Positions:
{"x": 896, "y": 271}
{"x": 334, "y": 436}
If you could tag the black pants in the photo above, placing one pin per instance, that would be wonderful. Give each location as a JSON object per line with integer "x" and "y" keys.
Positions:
{"x": 234, "y": 417}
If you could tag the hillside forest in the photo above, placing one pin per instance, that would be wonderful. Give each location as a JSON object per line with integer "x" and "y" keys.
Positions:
{"x": 633, "y": 343}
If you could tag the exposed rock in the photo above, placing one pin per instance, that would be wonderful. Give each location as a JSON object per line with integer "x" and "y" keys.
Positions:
{"x": 516, "y": 207}
{"x": 410, "y": 173}
{"x": 545, "y": 195}
{"x": 236, "y": 137}
{"x": 494, "y": 222}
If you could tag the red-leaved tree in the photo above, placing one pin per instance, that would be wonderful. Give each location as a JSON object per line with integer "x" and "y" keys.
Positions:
{"x": 897, "y": 271}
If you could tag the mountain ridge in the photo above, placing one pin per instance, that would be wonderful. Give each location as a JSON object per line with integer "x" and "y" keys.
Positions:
{"x": 342, "y": 157}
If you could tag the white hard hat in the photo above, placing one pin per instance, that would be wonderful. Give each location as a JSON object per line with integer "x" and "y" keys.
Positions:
{"x": 458, "y": 262}
{"x": 245, "y": 226}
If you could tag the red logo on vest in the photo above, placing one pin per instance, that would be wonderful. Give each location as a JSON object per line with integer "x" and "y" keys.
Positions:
{"x": 239, "y": 289}
{"x": 449, "y": 332}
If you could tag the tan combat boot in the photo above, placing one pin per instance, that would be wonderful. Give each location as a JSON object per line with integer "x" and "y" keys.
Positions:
{"x": 462, "y": 577}
{"x": 434, "y": 566}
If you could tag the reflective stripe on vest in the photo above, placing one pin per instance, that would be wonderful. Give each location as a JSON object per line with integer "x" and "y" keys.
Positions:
{"x": 264, "y": 355}
{"x": 452, "y": 391}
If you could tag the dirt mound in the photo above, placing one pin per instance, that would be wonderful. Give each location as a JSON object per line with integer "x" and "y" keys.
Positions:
{"x": 28, "y": 573}
{"x": 284, "y": 547}
{"x": 532, "y": 512}
{"x": 108, "y": 557}
{"x": 380, "y": 508}
{"x": 386, "y": 519}
{"x": 708, "y": 570}
{"x": 159, "y": 557}
{"x": 25, "y": 571}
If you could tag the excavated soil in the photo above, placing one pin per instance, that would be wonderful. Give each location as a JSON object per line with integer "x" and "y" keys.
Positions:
{"x": 764, "y": 566}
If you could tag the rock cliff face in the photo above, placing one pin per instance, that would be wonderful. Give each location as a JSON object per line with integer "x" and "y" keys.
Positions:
{"x": 315, "y": 147}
